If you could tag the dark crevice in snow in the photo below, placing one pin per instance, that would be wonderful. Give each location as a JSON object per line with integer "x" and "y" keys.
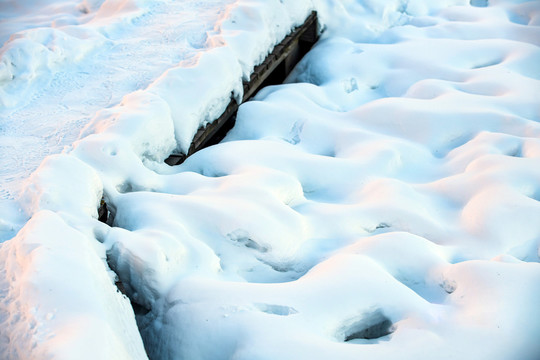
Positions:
{"x": 106, "y": 212}
{"x": 367, "y": 328}
{"x": 103, "y": 212}
{"x": 138, "y": 309}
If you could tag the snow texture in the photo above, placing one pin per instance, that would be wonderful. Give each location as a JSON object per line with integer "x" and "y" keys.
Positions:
{"x": 383, "y": 203}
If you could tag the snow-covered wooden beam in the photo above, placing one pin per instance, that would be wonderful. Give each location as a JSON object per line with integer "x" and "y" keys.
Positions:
{"x": 273, "y": 70}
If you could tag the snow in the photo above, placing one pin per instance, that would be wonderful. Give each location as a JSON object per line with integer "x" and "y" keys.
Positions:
{"x": 70, "y": 70}
{"x": 40, "y": 270}
{"x": 382, "y": 203}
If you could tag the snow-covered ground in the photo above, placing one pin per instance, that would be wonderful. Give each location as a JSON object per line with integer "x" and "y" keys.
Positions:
{"x": 74, "y": 59}
{"x": 384, "y": 203}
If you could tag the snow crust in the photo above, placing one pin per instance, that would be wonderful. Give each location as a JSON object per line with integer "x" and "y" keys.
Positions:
{"x": 383, "y": 203}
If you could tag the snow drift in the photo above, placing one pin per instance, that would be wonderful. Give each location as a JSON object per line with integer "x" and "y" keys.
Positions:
{"x": 382, "y": 204}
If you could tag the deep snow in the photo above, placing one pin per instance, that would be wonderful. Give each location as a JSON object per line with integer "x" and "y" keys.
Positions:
{"x": 384, "y": 203}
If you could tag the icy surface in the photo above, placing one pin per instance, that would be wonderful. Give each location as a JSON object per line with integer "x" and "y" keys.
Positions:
{"x": 382, "y": 204}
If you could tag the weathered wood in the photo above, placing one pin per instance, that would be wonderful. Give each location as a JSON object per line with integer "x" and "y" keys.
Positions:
{"x": 273, "y": 70}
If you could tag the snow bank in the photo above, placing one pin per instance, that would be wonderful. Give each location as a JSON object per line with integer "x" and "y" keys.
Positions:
{"x": 58, "y": 298}
{"x": 381, "y": 204}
